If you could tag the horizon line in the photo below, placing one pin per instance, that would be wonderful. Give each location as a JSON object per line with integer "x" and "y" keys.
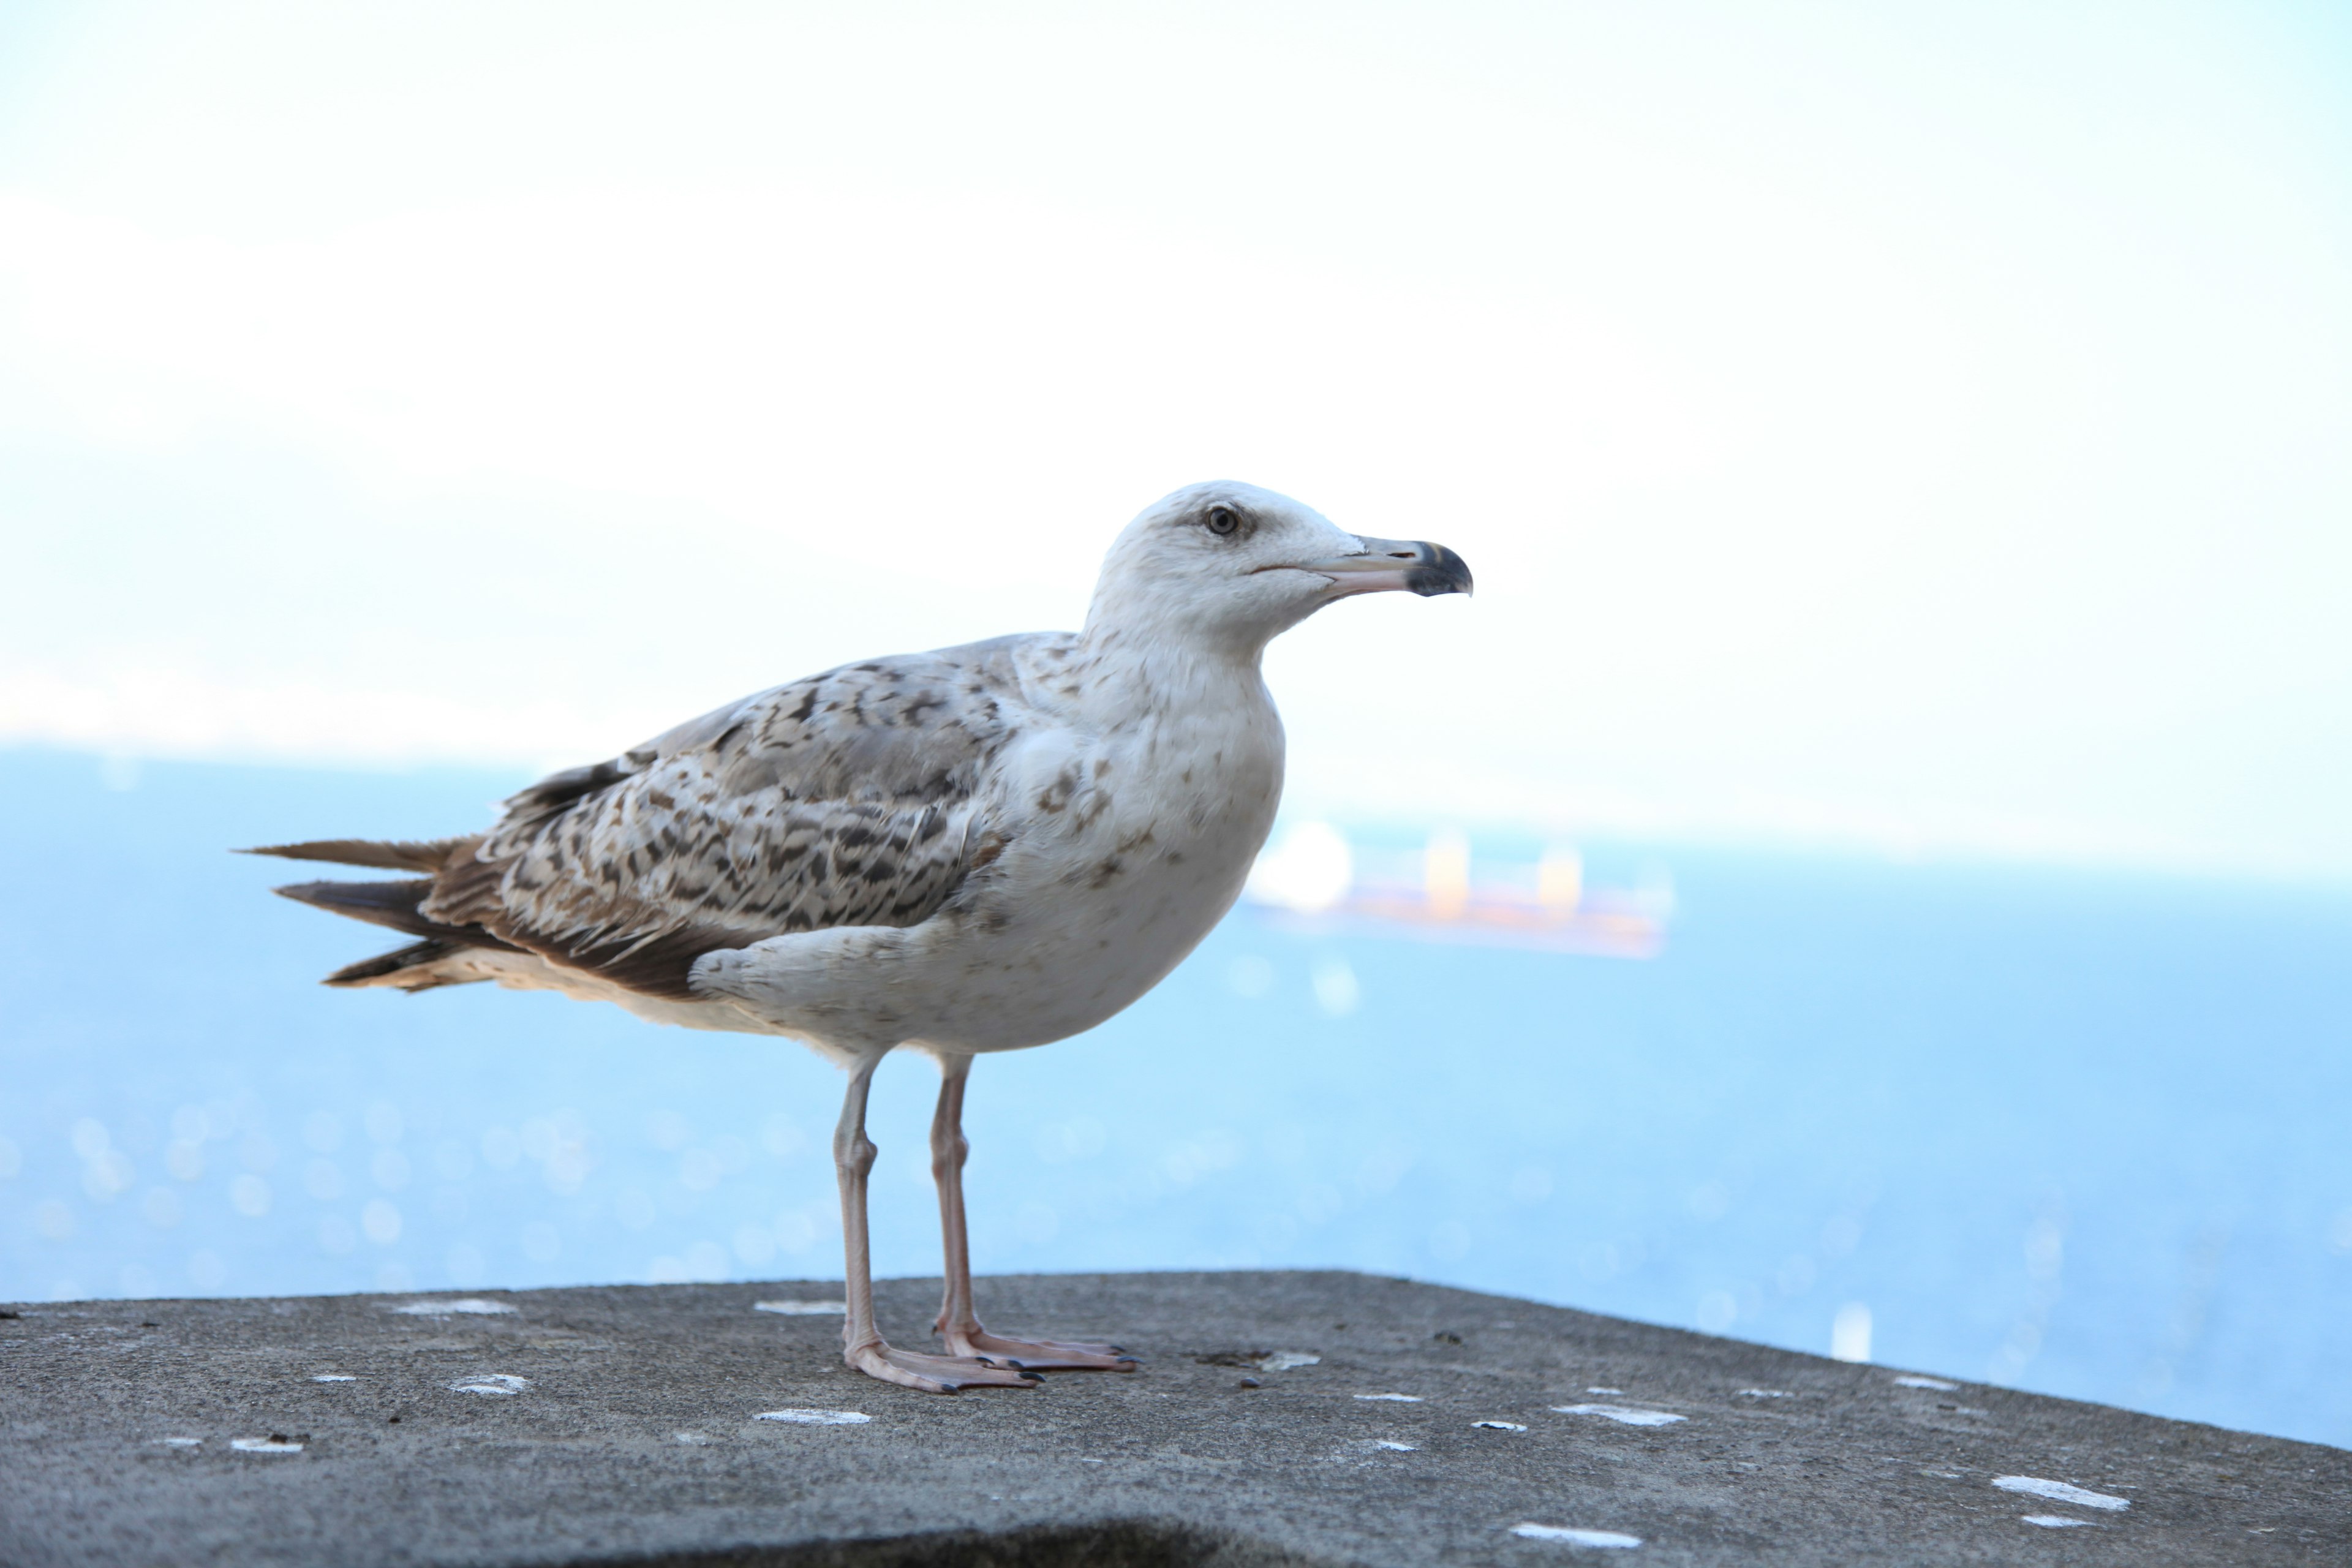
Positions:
{"x": 1811, "y": 830}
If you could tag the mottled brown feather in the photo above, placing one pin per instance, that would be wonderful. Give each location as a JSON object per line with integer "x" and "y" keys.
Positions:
{"x": 846, "y": 799}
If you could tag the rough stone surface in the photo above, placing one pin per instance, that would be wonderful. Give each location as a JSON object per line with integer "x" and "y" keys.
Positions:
{"x": 636, "y": 1440}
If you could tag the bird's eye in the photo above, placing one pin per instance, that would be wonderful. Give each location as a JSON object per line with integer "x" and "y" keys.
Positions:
{"x": 1222, "y": 520}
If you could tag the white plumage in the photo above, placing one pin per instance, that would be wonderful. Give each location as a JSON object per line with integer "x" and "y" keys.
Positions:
{"x": 976, "y": 849}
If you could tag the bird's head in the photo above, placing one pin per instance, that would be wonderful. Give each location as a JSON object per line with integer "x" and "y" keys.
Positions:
{"x": 1228, "y": 567}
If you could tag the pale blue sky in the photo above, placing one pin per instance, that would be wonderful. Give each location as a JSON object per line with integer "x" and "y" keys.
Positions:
{"x": 1924, "y": 425}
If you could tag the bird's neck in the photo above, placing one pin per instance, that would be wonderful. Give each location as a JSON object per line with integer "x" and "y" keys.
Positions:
{"x": 1126, "y": 672}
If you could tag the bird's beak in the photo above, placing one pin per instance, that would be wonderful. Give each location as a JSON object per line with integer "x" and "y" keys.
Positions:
{"x": 1412, "y": 565}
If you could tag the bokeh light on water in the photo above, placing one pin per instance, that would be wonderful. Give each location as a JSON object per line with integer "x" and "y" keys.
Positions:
{"x": 2074, "y": 1133}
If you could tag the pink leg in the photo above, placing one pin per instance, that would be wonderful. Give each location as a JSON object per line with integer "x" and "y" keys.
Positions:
{"x": 863, "y": 1346}
{"x": 957, "y": 1324}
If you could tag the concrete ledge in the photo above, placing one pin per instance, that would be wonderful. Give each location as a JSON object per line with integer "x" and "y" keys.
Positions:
{"x": 623, "y": 1426}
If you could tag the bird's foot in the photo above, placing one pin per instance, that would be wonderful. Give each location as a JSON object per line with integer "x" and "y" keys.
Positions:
{"x": 1036, "y": 1355}
{"x": 934, "y": 1373}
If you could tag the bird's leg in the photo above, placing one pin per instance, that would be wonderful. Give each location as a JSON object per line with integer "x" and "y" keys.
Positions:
{"x": 863, "y": 1346}
{"x": 957, "y": 1324}
{"x": 949, "y": 1148}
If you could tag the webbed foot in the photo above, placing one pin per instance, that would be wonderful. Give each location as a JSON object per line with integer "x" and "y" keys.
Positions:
{"x": 1036, "y": 1355}
{"x": 934, "y": 1373}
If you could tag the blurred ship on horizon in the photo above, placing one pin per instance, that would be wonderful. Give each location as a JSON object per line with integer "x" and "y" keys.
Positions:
{"x": 1316, "y": 880}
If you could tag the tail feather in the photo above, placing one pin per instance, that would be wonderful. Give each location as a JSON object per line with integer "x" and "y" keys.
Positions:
{"x": 411, "y": 968}
{"x": 398, "y": 904}
{"x": 403, "y": 855}
{"x": 393, "y": 904}
{"x": 390, "y": 904}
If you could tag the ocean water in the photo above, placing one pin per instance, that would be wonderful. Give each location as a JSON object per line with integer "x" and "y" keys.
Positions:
{"x": 2089, "y": 1134}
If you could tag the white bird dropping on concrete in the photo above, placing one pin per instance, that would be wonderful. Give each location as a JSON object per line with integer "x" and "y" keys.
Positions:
{"x": 467, "y": 1307}
{"x": 815, "y": 1417}
{"x": 497, "y": 1385}
{"x": 1623, "y": 1415}
{"x": 1567, "y": 1536}
{"x": 980, "y": 849}
{"x": 2059, "y": 1491}
{"x": 802, "y": 1309}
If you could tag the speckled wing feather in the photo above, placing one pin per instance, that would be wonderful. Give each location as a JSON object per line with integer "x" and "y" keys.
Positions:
{"x": 853, "y": 797}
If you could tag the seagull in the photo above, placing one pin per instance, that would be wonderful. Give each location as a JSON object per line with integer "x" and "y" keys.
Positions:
{"x": 979, "y": 848}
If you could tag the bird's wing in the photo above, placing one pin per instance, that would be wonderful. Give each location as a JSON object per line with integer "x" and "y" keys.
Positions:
{"x": 853, "y": 797}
